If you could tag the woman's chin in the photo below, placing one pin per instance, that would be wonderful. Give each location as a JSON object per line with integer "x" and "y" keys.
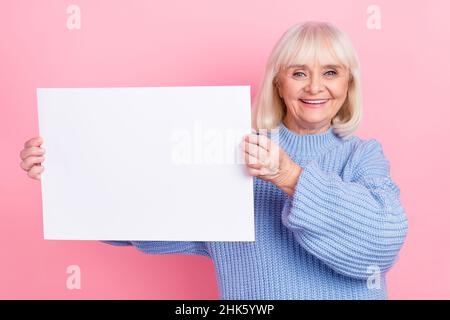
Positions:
{"x": 314, "y": 119}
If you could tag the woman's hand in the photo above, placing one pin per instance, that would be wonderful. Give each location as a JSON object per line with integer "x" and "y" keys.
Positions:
{"x": 267, "y": 161}
{"x": 32, "y": 156}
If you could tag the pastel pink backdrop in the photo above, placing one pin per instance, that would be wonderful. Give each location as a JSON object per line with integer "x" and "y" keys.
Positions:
{"x": 405, "y": 72}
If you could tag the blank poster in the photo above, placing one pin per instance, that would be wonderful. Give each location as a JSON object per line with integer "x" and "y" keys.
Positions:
{"x": 146, "y": 163}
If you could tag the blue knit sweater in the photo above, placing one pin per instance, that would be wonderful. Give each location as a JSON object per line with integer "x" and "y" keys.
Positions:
{"x": 335, "y": 238}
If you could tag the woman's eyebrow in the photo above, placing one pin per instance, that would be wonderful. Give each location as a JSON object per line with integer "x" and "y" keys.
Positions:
{"x": 332, "y": 66}
{"x": 327, "y": 66}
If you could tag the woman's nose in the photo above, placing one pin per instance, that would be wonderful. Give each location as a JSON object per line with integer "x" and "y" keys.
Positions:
{"x": 314, "y": 85}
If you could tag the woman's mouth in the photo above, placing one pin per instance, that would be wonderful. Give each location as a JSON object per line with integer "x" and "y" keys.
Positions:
{"x": 313, "y": 103}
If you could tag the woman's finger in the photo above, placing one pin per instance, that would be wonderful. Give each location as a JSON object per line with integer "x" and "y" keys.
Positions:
{"x": 251, "y": 161}
{"x": 253, "y": 172}
{"x": 34, "y": 142}
{"x": 29, "y": 162}
{"x": 31, "y": 151}
{"x": 255, "y": 150}
{"x": 35, "y": 172}
{"x": 259, "y": 140}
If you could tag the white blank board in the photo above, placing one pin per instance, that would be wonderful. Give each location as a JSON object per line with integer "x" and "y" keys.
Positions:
{"x": 146, "y": 163}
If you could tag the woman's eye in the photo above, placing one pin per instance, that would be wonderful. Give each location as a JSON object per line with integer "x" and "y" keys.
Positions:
{"x": 328, "y": 73}
{"x": 295, "y": 73}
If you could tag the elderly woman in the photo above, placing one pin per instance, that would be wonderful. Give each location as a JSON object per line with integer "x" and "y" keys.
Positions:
{"x": 329, "y": 222}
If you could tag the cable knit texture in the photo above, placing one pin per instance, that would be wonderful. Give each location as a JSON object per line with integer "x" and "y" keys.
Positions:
{"x": 334, "y": 238}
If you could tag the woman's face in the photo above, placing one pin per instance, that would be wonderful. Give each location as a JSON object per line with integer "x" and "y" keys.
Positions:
{"x": 313, "y": 95}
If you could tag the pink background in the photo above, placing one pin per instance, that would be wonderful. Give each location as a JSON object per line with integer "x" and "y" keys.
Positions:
{"x": 405, "y": 71}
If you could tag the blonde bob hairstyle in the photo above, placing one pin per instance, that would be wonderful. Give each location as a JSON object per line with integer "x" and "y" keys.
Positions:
{"x": 302, "y": 43}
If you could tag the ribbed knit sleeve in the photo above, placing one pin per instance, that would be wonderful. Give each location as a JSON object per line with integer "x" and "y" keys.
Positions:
{"x": 118, "y": 243}
{"x": 354, "y": 225}
{"x": 165, "y": 247}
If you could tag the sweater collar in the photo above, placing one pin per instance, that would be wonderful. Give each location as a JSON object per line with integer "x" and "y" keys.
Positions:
{"x": 305, "y": 144}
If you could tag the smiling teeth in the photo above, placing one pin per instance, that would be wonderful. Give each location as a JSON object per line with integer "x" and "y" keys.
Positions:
{"x": 314, "y": 102}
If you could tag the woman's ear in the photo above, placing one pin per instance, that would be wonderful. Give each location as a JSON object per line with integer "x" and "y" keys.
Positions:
{"x": 277, "y": 85}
